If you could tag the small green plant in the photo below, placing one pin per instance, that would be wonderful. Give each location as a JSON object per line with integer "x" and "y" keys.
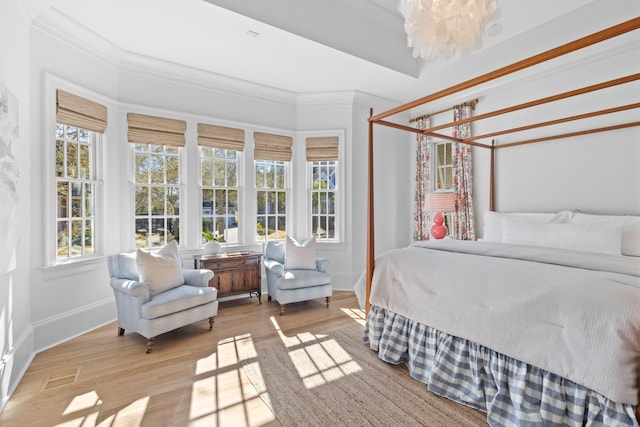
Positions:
{"x": 209, "y": 237}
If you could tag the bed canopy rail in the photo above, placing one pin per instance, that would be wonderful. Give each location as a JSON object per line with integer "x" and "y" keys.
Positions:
{"x": 589, "y": 40}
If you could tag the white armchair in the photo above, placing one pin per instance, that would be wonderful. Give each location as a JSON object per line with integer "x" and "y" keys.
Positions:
{"x": 148, "y": 306}
{"x": 295, "y": 274}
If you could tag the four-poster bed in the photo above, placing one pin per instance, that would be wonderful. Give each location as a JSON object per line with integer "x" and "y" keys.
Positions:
{"x": 409, "y": 309}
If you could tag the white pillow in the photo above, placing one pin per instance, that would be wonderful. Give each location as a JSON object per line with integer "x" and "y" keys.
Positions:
{"x": 580, "y": 237}
{"x": 628, "y": 224}
{"x": 493, "y": 221}
{"x": 631, "y": 239}
{"x": 300, "y": 255}
{"x": 161, "y": 270}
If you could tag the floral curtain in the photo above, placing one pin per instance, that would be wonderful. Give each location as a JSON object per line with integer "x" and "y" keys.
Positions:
{"x": 463, "y": 224}
{"x": 422, "y": 219}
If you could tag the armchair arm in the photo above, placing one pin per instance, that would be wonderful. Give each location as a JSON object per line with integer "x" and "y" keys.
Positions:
{"x": 131, "y": 287}
{"x": 274, "y": 267}
{"x": 199, "y": 277}
{"x": 322, "y": 264}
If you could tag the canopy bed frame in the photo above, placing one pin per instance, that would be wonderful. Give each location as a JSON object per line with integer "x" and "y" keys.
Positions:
{"x": 382, "y": 119}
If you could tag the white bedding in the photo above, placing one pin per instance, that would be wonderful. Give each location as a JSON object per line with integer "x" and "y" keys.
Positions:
{"x": 575, "y": 314}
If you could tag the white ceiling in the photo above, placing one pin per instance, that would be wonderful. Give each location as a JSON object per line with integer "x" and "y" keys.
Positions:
{"x": 306, "y": 46}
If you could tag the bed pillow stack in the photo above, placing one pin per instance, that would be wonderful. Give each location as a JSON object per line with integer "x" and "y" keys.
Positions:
{"x": 609, "y": 234}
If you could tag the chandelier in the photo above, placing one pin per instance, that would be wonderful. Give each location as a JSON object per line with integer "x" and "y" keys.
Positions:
{"x": 445, "y": 28}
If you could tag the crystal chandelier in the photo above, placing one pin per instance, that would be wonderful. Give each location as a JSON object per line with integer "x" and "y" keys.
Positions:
{"x": 445, "y": 28}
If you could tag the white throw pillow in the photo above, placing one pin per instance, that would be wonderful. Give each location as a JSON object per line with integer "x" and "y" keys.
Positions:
{"x": 300, "y": 255}
{"x": 161, "y": 270}
{"x": 628, "y": 224}
{"x": 493, "y": 221}
{"x": 580, "y": 237}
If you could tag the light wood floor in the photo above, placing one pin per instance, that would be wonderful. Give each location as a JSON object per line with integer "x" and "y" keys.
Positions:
{"x": 192, "y": 378}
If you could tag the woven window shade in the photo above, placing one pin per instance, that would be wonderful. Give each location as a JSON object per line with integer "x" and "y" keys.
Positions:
{"x": 156, "y": 130}
{"x": 220, "y": 137}
{"x": 272, "y": 147}
{"x": 322, "y": 149}
{"x": 73, "y": 110}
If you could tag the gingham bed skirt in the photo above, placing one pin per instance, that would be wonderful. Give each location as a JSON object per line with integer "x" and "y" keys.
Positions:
{"x": 511, "y": 392}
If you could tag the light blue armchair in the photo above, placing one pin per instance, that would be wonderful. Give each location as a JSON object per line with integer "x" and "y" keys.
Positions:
{"x": 150, "y": 313}
{"x": 294, "y": 285}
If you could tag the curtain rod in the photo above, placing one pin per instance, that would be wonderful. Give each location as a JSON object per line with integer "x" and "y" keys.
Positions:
{"x": 471, "y": 103}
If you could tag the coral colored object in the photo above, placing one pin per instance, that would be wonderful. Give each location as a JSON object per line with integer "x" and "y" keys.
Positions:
{"x": 438, "y": 230}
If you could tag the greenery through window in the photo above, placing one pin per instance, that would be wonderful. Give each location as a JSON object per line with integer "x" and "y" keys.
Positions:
{"x": 76, "y": 192}
{"x": 323, "y": 199}
{"x": 271, "y": 199}
{"x": 219, "y": 179}
{"x": 157, "y": 194}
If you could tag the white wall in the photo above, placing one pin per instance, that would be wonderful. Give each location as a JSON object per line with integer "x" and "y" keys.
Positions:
{"x": 16, "y": 340}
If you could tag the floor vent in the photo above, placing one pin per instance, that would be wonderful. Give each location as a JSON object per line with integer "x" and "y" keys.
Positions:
{"x": 61, "y": 379}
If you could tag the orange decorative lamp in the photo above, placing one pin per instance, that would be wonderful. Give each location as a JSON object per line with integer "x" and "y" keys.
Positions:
{"x": 442, "y": 201}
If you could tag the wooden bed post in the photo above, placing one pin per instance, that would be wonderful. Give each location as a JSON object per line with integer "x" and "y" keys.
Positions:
{"x": 492, "y": 176}
{"x": 370, "y": 228}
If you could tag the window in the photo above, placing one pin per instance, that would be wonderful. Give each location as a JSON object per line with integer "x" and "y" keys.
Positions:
{"x": 219, "y": 178}
{"x": 322, "y": 159}
{"x": 271, "y": 196}
{"x": 157, "y": 146}
{"x": 272, "y": 154}
{"x": 443, "y": 170}
{"x": 80, "y": 124}
{"x": 444, "y": 166}
{"x": 323, "y": 199}
{"x": 157, "y": 194}
{"x": 220, "y": 148}
{"x": 76, "y": 192}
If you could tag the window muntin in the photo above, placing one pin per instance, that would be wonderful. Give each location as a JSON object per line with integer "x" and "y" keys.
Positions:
{"x": 156, "y": 194}
{"x": 219, "y": 181}
{"x": 271, "y": 198}
{"x": 75, "y": 192}
{"x": 324, "y": 199}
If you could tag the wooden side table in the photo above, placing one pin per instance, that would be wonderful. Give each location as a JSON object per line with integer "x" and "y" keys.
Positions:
{"x": 234, "y": 273}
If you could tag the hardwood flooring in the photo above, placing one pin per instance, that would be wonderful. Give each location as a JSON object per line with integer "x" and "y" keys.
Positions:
{"x": 192, "y": 378}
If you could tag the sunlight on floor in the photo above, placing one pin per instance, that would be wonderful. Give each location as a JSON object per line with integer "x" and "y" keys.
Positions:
{"x": 356, "y": 314}
{"x": 131, "y": 415}
{"x": 222, "y": 394}
{"x": 318, "y": 358}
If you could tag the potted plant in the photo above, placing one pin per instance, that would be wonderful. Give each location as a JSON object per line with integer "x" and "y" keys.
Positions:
{"x": 212, "y": 246}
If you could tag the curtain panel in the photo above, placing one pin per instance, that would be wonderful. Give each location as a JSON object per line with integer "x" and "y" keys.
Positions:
{"x": 422, "y": 218}
{"x": 464, "y": 222}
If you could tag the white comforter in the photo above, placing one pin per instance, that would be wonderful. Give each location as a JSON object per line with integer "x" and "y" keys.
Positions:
{"x": 574, "y": 314}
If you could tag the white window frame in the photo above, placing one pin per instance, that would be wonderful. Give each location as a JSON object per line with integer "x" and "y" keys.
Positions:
{"x": 239, "y": 170}
{"x": 288, "y": 202}
{"x": 436, "y": 167}
{"x": 133, "y": 184}
{"x": 54, "y": 267}
{"x": 341, "y": 179}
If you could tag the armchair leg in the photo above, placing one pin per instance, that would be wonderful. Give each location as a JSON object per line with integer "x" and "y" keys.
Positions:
{"x": 268, "y": 297}
{"x": 328, "y": 300}
{"x": 211, "y": 320}
{"x": 150, "y": 345}
{"x": 281, "y": 309}
{"x": 120, "y": 331}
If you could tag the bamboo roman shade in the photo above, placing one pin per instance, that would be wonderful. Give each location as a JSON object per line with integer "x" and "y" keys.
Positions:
{"x": 156, "y": 130}
{"x": 322, "y": 149}
{"x": 220, "y": 137}
{"x": 272, "y": 147}
{"x": 73, "y": 110}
